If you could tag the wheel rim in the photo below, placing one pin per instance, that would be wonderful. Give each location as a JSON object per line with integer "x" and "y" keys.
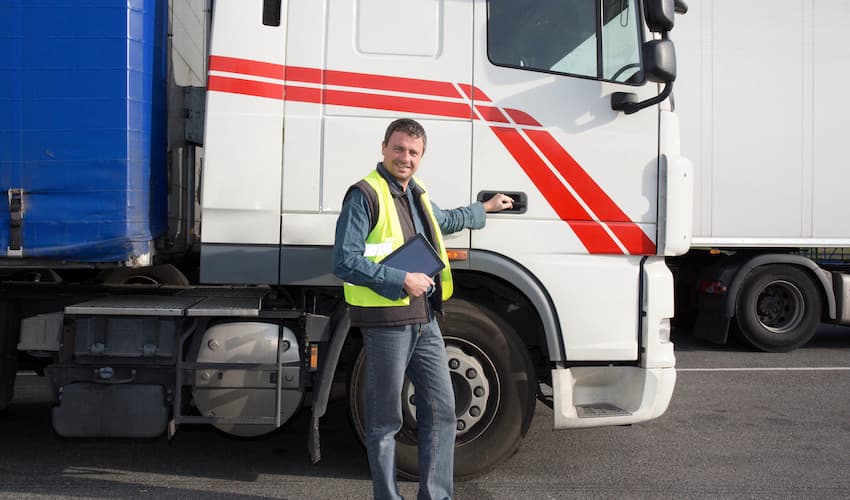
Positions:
{"x": 476, "y": 388}
{"x": 780, "y": 307}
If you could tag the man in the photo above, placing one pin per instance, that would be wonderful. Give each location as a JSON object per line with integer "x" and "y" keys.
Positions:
{"x": 395, "y": 310}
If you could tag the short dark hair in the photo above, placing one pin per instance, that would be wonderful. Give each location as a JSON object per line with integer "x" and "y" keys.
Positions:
{"x": 409, "y": 127}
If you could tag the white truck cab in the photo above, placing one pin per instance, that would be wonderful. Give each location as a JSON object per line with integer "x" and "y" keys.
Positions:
{"x": 566, "y": 297}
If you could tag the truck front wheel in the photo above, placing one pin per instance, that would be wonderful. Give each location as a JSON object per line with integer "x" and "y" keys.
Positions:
{"x": 494, "y": 386}
{"x": 778, "y": 308}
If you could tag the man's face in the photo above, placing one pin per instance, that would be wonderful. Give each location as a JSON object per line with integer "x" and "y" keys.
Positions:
{"x": 402, "y": 155}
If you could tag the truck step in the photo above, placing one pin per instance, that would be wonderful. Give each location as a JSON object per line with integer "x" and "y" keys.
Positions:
{"x": 601, "y": 410}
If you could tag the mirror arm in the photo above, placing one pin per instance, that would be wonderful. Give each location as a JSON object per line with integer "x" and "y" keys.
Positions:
{"x": 624, "y": 101}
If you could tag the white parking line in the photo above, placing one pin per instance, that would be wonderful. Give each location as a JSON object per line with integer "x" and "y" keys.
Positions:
{"x": 771, "y": 369}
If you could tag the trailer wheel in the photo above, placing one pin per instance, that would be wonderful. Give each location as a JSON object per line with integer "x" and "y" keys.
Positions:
{"x": 494, "y": 387}
{"x": 164, "y": 274}
{"x": 778, "y": 308}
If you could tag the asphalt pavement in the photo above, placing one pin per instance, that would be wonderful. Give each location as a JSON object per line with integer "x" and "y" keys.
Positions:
{"x": 742, "y": 424}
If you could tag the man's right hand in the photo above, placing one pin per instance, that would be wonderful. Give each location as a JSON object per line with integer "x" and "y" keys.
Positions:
{"x": 416, "y": 284}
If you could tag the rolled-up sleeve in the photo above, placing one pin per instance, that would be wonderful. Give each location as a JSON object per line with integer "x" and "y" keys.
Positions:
{"x": 349, "y": 264}
{"x": 453, "y": 220}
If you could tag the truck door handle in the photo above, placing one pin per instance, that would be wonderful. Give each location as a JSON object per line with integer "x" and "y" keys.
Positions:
{"x": 520, "y": 200}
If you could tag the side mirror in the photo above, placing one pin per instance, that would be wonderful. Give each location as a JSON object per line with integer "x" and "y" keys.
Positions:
{"x": 659, "y": 60}
{"x": 659, "y": 65}
{"x": 659, "y": 15}
{"x": 659, "y": 56}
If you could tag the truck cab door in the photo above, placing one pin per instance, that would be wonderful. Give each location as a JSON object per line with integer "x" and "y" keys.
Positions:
{"x": 587, "y": 174}
{"x": 383, "y": 60}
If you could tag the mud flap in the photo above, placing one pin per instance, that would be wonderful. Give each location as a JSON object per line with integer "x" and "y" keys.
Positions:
{"x": 712, "y": 323}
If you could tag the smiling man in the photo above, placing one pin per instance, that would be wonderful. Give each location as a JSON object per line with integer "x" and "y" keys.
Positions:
{"x": 395, "y": 310}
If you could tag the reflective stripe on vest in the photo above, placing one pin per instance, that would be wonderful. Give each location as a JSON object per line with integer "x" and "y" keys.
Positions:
{"x": 385, "y": 237}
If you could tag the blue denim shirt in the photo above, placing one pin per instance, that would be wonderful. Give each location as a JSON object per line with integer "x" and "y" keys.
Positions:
{"x": 353, "y": 226}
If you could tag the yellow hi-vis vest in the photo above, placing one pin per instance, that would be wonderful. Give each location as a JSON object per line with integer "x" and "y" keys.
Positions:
{"x": 385, "y": 237}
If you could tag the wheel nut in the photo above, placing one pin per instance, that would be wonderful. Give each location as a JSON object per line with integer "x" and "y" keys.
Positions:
{"x": 454, "y": 364}
{"x": 478, "y": 391}
{"x": 471, "y": 373}
{"x": 461, "y": 425}
{"x": 475, "y": 411}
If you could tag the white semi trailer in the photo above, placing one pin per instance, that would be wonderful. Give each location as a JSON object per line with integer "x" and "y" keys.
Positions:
{"x": 759, "y": 94}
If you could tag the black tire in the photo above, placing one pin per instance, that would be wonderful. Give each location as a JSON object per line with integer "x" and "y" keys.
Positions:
{"x": 163, "y": 274}
{"x": 778, "y": 308}
{"x": 9, "y": 328}
{"x": 474, "y": 337}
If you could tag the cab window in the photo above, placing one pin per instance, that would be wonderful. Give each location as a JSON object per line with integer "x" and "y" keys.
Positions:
{"x": 597, "y": 39}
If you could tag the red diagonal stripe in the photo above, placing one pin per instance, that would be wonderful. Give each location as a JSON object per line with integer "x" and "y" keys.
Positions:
{"x": 591, "y": 233}
{"x": 245, "y": 87}
{"x": 491, "y": 114}
{"x": 246, "y": 67}
{"x": 633, "y": 238}
{"x": 522, "y": 118}
{"x": 578, "y": 178}
{"x": 629, "y": 234}
{"x": 473, "y": 92}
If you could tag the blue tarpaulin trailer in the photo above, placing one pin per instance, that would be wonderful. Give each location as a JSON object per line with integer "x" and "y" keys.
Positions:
{"x": 82, "y": 128}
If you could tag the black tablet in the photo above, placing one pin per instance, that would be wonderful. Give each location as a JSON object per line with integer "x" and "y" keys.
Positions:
{"x": 416, "y": 256}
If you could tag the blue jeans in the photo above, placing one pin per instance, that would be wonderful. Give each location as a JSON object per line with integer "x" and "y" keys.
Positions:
{"x": 419, "y": 352}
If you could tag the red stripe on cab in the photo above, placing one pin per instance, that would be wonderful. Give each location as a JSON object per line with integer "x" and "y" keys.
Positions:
{"x": 393, "y": 84}
{"x": 303, "y": 94}
{"x": 303, "y": 75}
{"x": 473, "y": 93}
{"x": 592, "y": 235}
{"x": 246, "y": 67}
{"x": 396, "y": 103}
{"x": 491, "y": 114}
{"x": 245, "y": 87}
{"x": 522, "y": 118}
{"x": 632, "y": 236}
